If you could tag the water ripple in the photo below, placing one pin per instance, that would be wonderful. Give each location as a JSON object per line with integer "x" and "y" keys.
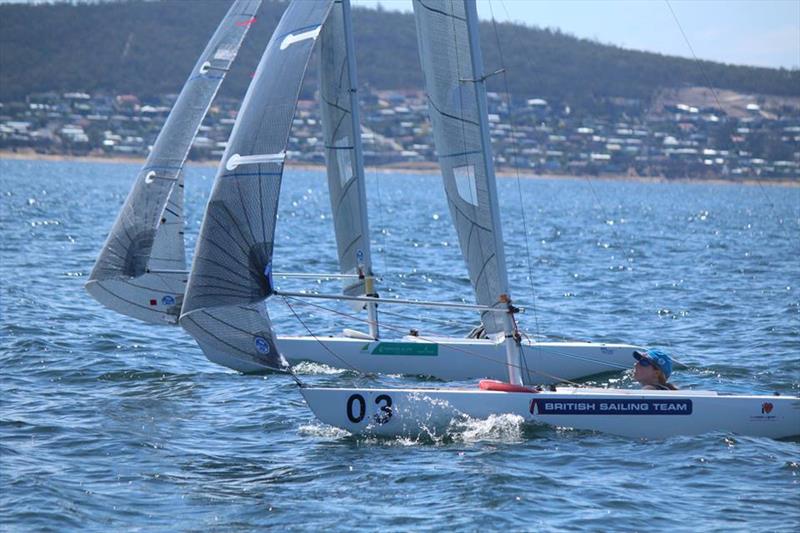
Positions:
{"x": 110, "y": 424}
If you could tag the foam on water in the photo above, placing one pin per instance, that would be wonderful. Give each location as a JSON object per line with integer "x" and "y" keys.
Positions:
{"x": 497, "y": 428}
{"x": 317, "y": 369}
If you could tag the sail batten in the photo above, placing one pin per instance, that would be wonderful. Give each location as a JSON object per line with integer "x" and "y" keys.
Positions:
{"x": 224, "y": 308}
{"x": 453, "y": 82}
{"x": 148, "y": 235}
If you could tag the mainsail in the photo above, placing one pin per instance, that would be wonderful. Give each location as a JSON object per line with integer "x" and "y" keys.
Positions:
{"x": 453, "y": 71}
{"x": 224, "y": 308}
{"x": 141, "y": 270}
{"x": 343, "y": 152}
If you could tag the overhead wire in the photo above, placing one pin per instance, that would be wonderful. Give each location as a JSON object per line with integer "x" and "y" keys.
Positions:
{"x": 515, "y": 143}
{"x": 704, "y": 73}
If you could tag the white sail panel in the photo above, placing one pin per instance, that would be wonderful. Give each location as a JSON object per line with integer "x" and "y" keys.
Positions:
{"x": 345, "y": 174}
{"x": 140, "y": 271}
{"x": 467, "y": 170}
{"x": 224, "y": 308}
{"x": 155, "y": 296}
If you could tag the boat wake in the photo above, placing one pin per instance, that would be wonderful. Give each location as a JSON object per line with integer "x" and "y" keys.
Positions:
{"x": 506, "y": 428}
{"x": 317, "y": 369}
{"x": 323, "y": 430}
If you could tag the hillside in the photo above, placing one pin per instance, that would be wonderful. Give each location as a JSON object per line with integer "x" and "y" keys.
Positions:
{"x": 147, "y": 48}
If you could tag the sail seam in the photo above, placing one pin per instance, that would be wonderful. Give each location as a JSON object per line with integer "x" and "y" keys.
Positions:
{"x": 448, "y": 115}
{"x": 440, "y": 12}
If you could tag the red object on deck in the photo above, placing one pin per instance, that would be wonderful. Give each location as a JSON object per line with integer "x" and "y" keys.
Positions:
{"x": 246, "y": 22}
{"x": 501, "y": 386}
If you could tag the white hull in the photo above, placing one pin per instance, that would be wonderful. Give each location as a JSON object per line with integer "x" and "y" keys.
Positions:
{"x": 630, "y": 413}
{"x": 447, "y": 359}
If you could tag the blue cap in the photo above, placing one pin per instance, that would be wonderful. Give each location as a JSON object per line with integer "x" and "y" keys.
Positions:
{"x": 662, "y": 360}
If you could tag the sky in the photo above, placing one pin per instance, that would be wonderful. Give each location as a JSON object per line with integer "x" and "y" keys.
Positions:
{"x": 763, "y": 33}
{"x": 744, "y": 32}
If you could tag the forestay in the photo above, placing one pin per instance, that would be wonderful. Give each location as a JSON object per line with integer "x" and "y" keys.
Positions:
{"x": 454, "y": 91}
{"x": 141, "y": 270}
{"x": 343, "y": 153}
{"x": 225, "y": 309}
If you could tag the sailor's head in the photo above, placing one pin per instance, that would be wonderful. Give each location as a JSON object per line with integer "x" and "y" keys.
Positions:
{"x": 655, "y": 359}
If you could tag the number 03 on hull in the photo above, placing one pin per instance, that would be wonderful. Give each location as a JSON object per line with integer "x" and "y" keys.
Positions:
{"x": 629, "y": 413}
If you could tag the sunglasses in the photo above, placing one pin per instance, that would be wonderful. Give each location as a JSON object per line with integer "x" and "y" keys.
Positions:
{"x": 646, "y": 362}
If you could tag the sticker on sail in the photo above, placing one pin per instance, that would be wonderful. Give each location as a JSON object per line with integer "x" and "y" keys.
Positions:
{"x": 292, "y": 38}
{"x": 617, "y": 406}
{"x": 226, "y": 53}
{"x": 262, "y": 346}
{"x": 246, "y": 23}
{"x": 237, "y": 160}
{"x": 168, "y": 300}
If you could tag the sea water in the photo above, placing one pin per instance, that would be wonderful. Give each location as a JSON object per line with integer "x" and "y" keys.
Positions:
{"x": 107, "y": 423}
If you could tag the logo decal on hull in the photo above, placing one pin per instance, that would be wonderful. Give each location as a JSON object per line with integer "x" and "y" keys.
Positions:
{"x": 407, "y": 348}
{"x": 765, "y": 416}
{"x": 617, "y": 406}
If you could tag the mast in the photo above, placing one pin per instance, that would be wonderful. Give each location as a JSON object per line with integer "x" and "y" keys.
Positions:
{"x": 358, "y": 167}
{"x": 513, "y": 348}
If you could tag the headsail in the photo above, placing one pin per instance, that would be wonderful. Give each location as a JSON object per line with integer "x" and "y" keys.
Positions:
{"x": 457, "y": 106}
{"x": 141, "y": 270}
{"x": 224, "y": 308}
{"x": 343, "y": 152}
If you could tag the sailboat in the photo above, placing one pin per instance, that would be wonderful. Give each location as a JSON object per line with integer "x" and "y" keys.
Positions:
{"x": 232, "y": 277}
{"x": 141, "y": 270}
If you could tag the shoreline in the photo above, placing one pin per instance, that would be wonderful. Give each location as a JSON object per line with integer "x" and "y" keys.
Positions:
{"x": 412, "y": 168}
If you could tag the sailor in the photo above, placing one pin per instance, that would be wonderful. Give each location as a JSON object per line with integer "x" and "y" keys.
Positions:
{"x": 652, "y": 369}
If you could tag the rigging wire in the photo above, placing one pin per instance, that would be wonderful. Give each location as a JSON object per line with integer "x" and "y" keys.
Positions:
{"x": 458, "y": 348}
{"x": 588, "y": 180}
{"x": 503, "y": 69}
{"x": 704, "y": 73}
{"x": 420, "y": 318}
{"x": 311, "y": 333}
{"x": 383, "y": 231}
{"x": 462, "y": 119}
{"x": 514, "y": 142}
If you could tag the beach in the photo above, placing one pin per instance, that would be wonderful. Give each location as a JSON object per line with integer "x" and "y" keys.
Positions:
{"x": 414, "y": 168}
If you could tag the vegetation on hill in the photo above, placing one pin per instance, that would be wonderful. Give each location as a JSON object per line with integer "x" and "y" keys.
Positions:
{"x": 148, "y": 48}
